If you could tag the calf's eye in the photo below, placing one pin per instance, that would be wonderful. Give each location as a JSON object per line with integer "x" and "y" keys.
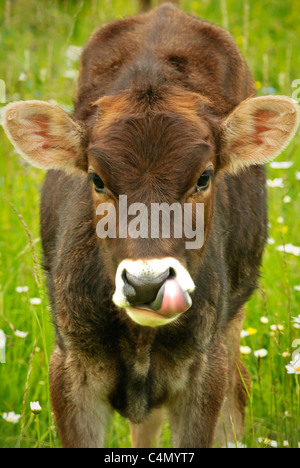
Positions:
{"x": 98, "y": 182}
{"x": 203, "y": 181}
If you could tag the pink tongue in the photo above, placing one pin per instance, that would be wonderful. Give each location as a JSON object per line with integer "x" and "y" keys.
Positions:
{"x": 174, "y": 300}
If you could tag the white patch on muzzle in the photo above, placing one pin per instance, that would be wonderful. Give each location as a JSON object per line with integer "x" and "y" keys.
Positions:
{"x": 149, "y": 269}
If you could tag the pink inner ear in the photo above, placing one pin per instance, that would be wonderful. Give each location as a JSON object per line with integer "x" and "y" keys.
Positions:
{"x": 261, "y": 123}
{"x": 261, "y": 119}
{"x": 41, "y": 121}
{"x": 51, "y": 142}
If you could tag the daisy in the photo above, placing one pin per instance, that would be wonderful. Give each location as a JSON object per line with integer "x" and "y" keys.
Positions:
{"x": 289, "y": 248}
{"x": 71, "y": 74}
{"x": 277, "y": 327}
{"x": 20, "y": 333}
{"x": 73, "y": 53}
{"x": 294, "y": 366}
{"x": 264, "y": 320}
{"x": 35, "y": 407}
{"x": 22, "y": 289}
{"x": 275, "y": 183}
{"x": 260, "y": 353}
{"x": 11, "y": 417}
{"x": 296, "y": 319}
{"x": 272, "y": 443}
{"x": 281, "y": 164}
{"x": 35, "y": 301}
{"x": 245, "y": 350}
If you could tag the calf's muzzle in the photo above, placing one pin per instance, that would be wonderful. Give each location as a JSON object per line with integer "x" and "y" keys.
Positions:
{"x": 153, "y": 292}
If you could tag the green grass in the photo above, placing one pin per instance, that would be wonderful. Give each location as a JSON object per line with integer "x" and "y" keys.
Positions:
{"x": 33, "y": 40}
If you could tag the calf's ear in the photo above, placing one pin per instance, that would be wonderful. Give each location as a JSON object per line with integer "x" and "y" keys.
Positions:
{"x": 44, "y": 135}
{"x": 257, "y": 131}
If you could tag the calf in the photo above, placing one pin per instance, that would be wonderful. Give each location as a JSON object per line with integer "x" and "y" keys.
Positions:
{"x": 165, "y": 112}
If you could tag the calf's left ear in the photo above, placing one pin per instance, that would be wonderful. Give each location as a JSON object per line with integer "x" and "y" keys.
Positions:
{"x": 44, "y": 135}
{"x": 257, "y": 131}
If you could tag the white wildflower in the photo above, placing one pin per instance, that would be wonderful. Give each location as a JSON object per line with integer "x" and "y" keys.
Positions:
{"x": 260, "y": 353}
{"x": 289, "y": 248}
{"x": 272, "y": 443}
{"x": 23, "y": 77}
{"x": 73, "y": 53}
{"x": 281, "y": 164}
{"x": 275, "y": 183}
{"x": 22, "y": 289}
{"x": 245, "y": 350}
{"x": 264, "y": 320}
{"x": 294, "y": 366}
{"x": 71, "y": 74}
{"x": 35, "y": 407}
{"x": 11, "y": 417}
{"x": 20, "y": 334}
{"x": 277, "y": 327}
{"x": 35, "y": 301}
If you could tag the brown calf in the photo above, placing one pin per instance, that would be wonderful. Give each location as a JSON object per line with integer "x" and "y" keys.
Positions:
{"x": 165, "y": 113}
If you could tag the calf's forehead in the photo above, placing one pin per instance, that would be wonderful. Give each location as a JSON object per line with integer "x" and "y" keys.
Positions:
{"x": 153, "y": 145}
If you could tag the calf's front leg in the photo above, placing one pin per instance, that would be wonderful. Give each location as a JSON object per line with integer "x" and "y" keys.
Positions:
{"x": 147, "y": 433}
{"x": 81, "y": 413}
{"x": 195, "y": 411}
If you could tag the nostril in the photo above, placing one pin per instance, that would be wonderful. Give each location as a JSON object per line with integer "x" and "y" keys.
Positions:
{"x": 144, "y": 289}
{"x": 172, "y": 273}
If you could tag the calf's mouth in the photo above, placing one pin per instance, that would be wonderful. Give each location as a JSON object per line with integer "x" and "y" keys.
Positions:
{"x": 153, "y": 292}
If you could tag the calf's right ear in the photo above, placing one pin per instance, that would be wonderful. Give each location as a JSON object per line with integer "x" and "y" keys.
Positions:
{"x": 44, "y": 135}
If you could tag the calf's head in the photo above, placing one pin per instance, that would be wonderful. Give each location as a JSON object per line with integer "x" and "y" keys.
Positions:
{"x": 169, "y": 153}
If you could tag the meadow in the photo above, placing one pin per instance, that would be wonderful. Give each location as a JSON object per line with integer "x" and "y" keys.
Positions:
{"x": 39, "y": 49}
